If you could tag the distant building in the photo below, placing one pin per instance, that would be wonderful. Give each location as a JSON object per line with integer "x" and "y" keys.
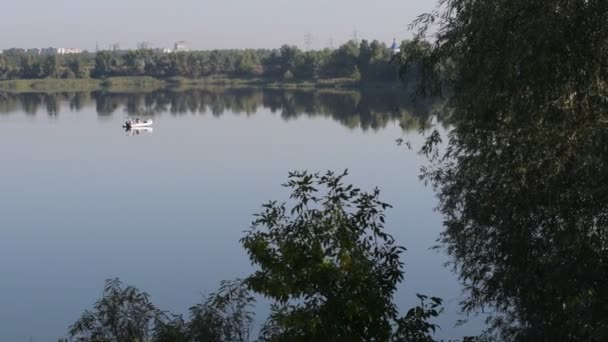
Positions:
{"x": 115, "y": 47}
{"x": 52, "y": 51}
{"x": 162, "y": 50}
{"x": 182, "y": 45}
{"x": 67, "y": 51}
{"x": 395, "y": 48}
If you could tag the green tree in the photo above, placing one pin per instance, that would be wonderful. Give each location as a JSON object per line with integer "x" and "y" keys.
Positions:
{"x": 3, "y": 67}
{"x": 288, "y": 58}
{"x": 328, "y": 264}
{"x": 308, "y": 64}
{"x": 29, "y": 67}
{"x": 135, "y": 62}
{"x": 78, "y": 67}
{"x": 374, "y": 63}
{"x": 521, "y": 181}
{"x": 51, "y": 66}
{"x": 122, "y": 314}
{"x": 224, "y": 316}
{"x": 288, "y": 75}
{"x": 418, "y": 65}
{"x": 246, "y": 63}
{"x": 105, "y": 63}
{"x": 365, "y": 57}
{"x": 343, "y": 61}
{"x": 125, "y": 314}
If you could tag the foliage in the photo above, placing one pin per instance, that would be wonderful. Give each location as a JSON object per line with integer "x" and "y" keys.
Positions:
{"x": 520, "y": 182}
{"x": 78, "y": 67}
{"x": 288, "y": 75}
{"x": 126, "y": 314}
{"x": 415, "y": 326}
{"x": 327, "y": 264}
{"x": 343, "y": 62}
{"x": 50, "y": 67}
{"x": 105, "y": 62}
{"x": 229, "y": 310}
{"x": 417, "y": 65}
{"x": 372, "y": 62}
{"x": 174, "y": 329}
{"x": 223, "y": 317}
{"x": 122, "y": 314}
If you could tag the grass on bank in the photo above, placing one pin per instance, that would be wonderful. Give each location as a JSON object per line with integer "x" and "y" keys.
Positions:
{"x": 183, "y": 82}
{"x": 147, "y": 83}
{"x": 132, "y": 83}
{"x": 49, "y": 84}
{"x": 118, "y": 84}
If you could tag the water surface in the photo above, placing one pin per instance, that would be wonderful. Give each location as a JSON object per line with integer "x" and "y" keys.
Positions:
{"x": 83, "y": 200}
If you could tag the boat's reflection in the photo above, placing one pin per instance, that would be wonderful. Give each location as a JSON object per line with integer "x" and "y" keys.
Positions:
{"x": 139, "y": 130}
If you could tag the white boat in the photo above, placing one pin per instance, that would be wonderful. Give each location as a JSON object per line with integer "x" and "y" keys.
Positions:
{"x": 129, "y": 124}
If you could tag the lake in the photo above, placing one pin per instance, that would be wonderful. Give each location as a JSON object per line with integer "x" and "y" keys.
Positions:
{"x": 83, "y": 200}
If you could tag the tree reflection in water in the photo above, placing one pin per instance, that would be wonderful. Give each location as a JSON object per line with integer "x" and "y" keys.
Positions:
{"x": 139, "y": 130}
{"x": 365, "y": 109}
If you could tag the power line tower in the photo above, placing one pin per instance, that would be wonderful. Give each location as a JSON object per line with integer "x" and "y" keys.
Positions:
{"x": 308, "y": 41}
{"x": 356, "y": 36}
{"x": 144, "y": 45}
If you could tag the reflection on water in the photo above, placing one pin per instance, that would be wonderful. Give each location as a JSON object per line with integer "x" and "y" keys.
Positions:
{"x": 165, "y": 211}
{"x": 139, "y": 130}
{"x": 367, "y": 109}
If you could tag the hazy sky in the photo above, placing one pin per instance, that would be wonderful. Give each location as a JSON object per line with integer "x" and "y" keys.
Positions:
{"x": 205, "y": 24}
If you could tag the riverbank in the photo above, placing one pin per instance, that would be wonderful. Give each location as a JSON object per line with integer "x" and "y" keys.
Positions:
{"x": 70, "y": 85}
{"x": 145, "y": 83}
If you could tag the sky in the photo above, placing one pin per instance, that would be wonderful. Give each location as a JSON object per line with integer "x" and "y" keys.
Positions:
{"x": 204, "y": 24}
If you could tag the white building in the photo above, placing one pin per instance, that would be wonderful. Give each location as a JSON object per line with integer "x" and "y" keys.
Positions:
{"x": 182, "y": 45}
{"x": 162, "y": 50}
{"x": 54, "y": 51}
{"x": 67, "y": 51}
{"x": 395, "y": 48}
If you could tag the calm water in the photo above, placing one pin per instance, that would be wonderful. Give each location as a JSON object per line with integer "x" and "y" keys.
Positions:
{"x": 82, "y": 201}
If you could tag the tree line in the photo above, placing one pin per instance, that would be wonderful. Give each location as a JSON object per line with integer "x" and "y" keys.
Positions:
{"x": 366, "y": 61}
{"x": 365, "y": 109}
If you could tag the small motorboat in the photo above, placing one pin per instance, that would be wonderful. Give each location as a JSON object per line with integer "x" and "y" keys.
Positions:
{"x": 136, "y": 123}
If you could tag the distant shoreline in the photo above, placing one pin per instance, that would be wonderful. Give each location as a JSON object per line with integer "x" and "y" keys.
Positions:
{"x": 147, "y": 83}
